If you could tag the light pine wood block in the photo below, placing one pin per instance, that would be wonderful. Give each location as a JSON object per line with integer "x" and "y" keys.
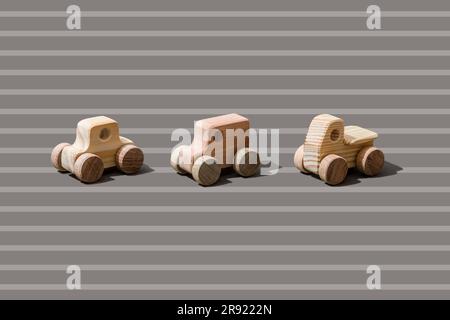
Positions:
{"x": 224, "y": 139}
{"x": 327, "y": 136}
{"x": 97, "y": 146}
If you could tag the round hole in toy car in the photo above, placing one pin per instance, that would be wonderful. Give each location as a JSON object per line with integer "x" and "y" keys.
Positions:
{"x": 105, "y": 134}
{"x": 334, "y": 135}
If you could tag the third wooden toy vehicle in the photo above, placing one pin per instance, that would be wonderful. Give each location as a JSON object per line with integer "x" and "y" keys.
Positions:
{"x": 330, "y": 149}
{"x": 213, "y": 148}
{"x": 97, "y": 146}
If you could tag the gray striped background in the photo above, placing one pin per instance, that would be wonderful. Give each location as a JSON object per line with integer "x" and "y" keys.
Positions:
{"x": 161, "y": 64}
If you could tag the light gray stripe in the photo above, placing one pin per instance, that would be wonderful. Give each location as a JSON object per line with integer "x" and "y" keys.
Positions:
{"x": 228, "y": 33}
{"x": 225, "y": 14}
{"x": 224, "y": 248}
{"x": 25, "y": 170}
{"x": 20, "y": 131}
{"x": 216, "y": 111}
{"x": 425, "y": 170}
{"x": 402, "y": 171}
{"x": 281, "y": 150}
{"x": 219, "y": 189}
{"x": 225, "y": 209}
{"x": 224, "y": 228}
{"x": 225, "y": 53}
{"x": 225, "y": 287}
{"x": 225, "y": 267}
{"x": 214, "y": 92}
{"x": 223, "y": 72}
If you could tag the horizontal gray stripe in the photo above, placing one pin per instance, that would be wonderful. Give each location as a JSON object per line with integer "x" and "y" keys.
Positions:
{"x": 281, "y": 150}
{"x": 226, "y": 209}
{"x": 225, "y": 267}
{"x": 225, "y": 248}
{"x": 225, "y": 92}
{"x": 218, "y": 111}
{"x": 20, "y": 131}
{"x": 226, "y": 53}
{"x": 224, "y": 228}
{"x": 24, "y": 170}
{"x": 225, "y": 287}
{"x": 218, "y": 189}
{"x": 197, "y": 14}
{"x": 222, "y": 72}
{"x": 230, "y": 33}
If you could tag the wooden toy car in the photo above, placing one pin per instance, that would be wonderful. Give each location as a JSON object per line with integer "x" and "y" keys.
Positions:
{"x": 330, "y": 149}
{"x": 213, "y": 148}
{"x": 97, "y": 146}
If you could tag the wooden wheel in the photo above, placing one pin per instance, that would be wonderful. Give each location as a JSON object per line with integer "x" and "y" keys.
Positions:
{"x": 129, "y": 159}
{"x": 333, "y": 169}
{"x": 370, "y": 161}
{"x": 246, "y": 162}
{"x": 298, "y": 159}
{"x": 206, "y": 171}
{"x": 175, "y": 159}
{"x": 88, "y": 168}
{"x": 56, "y": 156}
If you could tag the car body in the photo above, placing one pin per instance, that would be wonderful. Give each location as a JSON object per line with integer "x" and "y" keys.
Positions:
{"x": 99, "y": 143}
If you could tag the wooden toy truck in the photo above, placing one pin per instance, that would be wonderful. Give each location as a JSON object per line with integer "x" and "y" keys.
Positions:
{"x": 330, "y": 149}
{"x": 213, "y": 148}
{"x": 98, "y": 146}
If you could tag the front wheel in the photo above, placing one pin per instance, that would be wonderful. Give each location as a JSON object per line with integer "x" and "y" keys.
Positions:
{"x": 88, "y": 168}
{"x": 333, "y": 169}
{"x": 206, "y": 171}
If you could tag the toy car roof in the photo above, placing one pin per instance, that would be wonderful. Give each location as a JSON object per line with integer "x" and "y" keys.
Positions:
{"x": 222, "y": 121}
{"x": 96, "y": 121}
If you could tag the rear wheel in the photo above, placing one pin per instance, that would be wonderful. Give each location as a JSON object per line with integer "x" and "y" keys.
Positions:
{"x": 333, "y": 169}
{"x": 298, "y": 159}
{"x": 175, "y": 159}
{"x": 56, "y": 156}
{"x": 206, "y": 171}
{"x": 129, "y": 159}
{"x": 246, "y": 162}
{"x": 370, "y": 161}
{"x": 88, "y": 168}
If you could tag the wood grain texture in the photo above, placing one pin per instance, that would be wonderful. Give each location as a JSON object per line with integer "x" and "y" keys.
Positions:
{"x": 358, "y": 135}
{"x": 333, "y": 169}
{"x": 98, "y": 136}
{"x": 206, "y": 171}
{"x": 370, "y": 161}
{"x": 89, "y": 168}
{"x": 57, "y": 154}
{"x": 221, "y": 137}
{"x": 129, "y": 159}
{"x": 246, "y": 162}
